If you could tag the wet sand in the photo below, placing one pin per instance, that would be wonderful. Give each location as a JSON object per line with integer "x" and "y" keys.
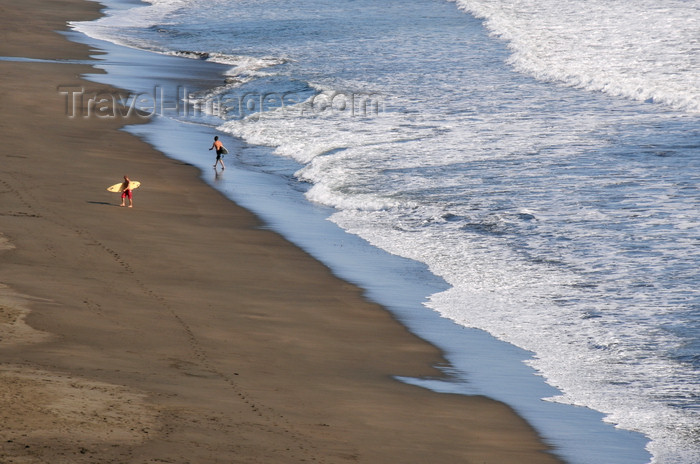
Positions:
{"x": 179, "y": 330}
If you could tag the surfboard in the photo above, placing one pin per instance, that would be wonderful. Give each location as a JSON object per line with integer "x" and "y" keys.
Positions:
{"x": 134, "y": 184}
{"x": 224, "y": 151}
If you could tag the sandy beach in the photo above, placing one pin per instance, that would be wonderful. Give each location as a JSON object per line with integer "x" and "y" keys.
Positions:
{"x": 179, "y": 330}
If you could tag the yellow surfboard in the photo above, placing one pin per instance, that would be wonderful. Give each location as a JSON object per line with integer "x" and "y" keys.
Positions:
{"x": 134, "y": 184}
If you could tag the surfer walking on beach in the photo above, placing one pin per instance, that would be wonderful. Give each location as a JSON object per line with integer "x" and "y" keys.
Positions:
{"x": 126, "y": 192}
{"x": 220, "y": 151}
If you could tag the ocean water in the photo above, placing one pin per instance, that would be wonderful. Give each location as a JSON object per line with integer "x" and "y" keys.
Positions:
{"x": 542, "y": 158}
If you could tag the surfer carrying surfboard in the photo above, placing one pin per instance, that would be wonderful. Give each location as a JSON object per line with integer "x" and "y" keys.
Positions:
{"x": 220, "y": 152}
{"x": 126, "y": 192}
{"x": 125, "y": 189}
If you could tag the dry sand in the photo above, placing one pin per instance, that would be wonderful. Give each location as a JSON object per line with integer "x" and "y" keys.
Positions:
{"x": 179, "y": 331}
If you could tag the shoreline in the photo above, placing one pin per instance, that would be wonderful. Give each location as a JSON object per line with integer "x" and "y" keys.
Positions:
{"x": 263, "y": 183}
{"x": 163, "y": 344}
